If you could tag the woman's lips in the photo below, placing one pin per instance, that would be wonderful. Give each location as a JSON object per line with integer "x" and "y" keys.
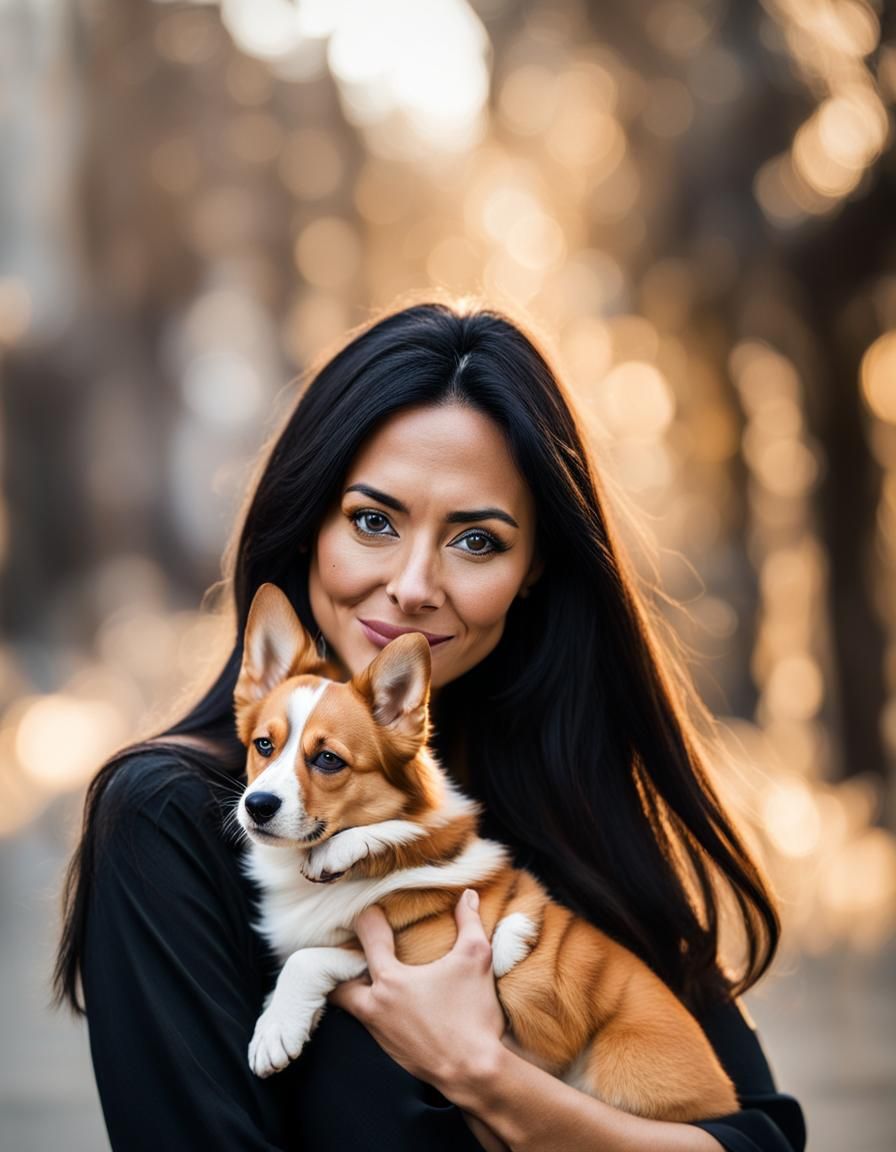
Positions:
{"x": 381, "y": 639}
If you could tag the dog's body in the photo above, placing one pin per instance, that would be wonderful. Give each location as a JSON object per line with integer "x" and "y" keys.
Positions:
{"x": 377, "y": 822}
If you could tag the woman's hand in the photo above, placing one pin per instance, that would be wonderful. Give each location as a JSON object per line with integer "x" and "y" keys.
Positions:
{"x": 438, "y": 1019}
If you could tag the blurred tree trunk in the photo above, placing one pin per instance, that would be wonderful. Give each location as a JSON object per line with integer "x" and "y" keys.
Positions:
{"x": 836, "y": 269}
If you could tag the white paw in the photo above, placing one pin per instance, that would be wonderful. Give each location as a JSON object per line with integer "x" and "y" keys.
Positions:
{"x": 331, "y": 860}
{"x": 512, "y": 941}
{"x": 278, "y": 1039}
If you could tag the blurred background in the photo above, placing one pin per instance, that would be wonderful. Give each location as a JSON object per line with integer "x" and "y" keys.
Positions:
{"x": 693, "y": 201}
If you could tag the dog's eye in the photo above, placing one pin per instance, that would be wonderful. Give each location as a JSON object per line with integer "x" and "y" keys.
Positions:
{"x": 264, "y": 746}
{"x": 328, "y": 762}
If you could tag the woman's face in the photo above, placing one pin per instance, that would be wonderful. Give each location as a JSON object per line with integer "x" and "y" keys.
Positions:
{"x": 434, "y": 531}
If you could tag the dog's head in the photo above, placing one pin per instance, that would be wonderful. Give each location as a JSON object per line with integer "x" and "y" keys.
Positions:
{"x": 325, "y": 756}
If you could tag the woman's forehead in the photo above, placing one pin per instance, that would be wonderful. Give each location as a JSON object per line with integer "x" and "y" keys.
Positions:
{"x": 451, "y": 450}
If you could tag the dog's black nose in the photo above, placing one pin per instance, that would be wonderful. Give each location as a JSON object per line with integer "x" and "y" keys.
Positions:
{"x": 261, "y": 806}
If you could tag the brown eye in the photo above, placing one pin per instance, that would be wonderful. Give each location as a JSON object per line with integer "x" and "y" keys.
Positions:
{"x": 371, "y": 523}
{"x": 480, "y": 544}
{"x": 326, "y": 761}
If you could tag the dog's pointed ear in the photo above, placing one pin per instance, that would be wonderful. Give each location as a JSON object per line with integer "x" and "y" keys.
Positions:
{"x": 396, "y": 686}
{"x": 275, "y": 646}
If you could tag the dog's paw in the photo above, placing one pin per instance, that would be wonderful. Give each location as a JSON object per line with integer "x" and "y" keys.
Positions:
{"x": 333, "y": 859}
{"x": 512, "y": 941}
{"x": 278, "y": 1039}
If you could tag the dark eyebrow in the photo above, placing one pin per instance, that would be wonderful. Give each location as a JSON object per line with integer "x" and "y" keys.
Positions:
{"x": 451, "y": 518}
{"x": 380, "y": 497}
{"x": 480, "y": 514}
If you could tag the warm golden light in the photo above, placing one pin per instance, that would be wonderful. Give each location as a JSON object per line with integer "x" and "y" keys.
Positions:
{"x": 588, "y": 136}
{"x": 795, "y": 687}
{"x": 536, "y": 241}
{"x": 858, "y": 883}
{"x": 421, "y": 66}
{"x": 60, "y": 740}
{"x": 791, "y": 817}
{"x": 878, "y": 374}
{"x": 635, "y": 401}
{"x": 587, "y": 348}
{"x": 528, "y": 98}
{"x": 763, "y": 376}
{"x": 785, "y": 466}
{"x": 268, "y": 29}
{"x": 849, "y": 131}
{"x": 818, "y": 168}
{"x": 849, "y": 27}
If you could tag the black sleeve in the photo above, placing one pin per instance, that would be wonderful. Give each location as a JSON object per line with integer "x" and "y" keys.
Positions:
{"x": 173, "y": 978}
{"x": 351, "y": 1095}
{"x": 770, "y": 1121}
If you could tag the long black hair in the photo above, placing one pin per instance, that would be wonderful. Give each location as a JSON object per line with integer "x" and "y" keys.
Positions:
{"x": 575, "y": 731}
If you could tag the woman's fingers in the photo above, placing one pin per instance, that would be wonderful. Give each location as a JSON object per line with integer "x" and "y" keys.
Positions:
{"x": 471, "y": 937}
{"x": 353, "y": 996}
{"x": 376, "y": 938}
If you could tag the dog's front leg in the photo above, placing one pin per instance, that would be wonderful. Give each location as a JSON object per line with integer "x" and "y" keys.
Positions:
{"x": 342, "y": 851}
{"x": 296, "y": 1004}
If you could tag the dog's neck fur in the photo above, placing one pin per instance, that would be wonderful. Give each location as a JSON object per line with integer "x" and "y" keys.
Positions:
{"x": 446, "y": 826}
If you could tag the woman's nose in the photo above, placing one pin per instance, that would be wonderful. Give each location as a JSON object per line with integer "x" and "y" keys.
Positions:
{"x": 415, "y": 585}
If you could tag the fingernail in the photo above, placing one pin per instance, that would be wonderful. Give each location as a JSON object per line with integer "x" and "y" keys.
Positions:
{"x": 472, "y": 898}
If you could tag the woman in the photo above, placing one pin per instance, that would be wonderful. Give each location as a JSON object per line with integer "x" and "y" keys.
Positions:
{"x": 432, "y": 477}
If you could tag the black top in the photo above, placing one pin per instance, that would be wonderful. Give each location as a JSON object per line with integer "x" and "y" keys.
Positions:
{"x": 174, "y": 978}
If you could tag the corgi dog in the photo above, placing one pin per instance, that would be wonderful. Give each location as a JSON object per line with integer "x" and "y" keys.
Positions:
{"x": 345, "y": 807}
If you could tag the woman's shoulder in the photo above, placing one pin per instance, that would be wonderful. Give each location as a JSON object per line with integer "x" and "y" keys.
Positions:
{"x": 165, "y": 780}
{"x": 164, "y": 862}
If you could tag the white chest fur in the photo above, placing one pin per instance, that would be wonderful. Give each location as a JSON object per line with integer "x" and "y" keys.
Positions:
{"x": 297, "y": 913}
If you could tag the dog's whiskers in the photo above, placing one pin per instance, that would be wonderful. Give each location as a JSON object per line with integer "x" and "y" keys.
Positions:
{"x": 232, "y": 828}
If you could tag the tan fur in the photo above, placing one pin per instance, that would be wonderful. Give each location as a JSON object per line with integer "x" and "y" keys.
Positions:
{"x": 579, "y": 1004}
{"x": 579, "y": 993}
{"x": 579, "y": 997}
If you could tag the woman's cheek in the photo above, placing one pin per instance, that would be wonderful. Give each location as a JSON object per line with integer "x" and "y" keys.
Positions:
{"x": 483, "y": 611}
{"x": 342, "y": 571}
{"x": 486, "y": 602}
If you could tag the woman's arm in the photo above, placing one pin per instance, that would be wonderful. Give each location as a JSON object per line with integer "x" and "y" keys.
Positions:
{"x": 532, "y": 1111}
{"x": 443, "y": 1023}
{"x": 172, "y": 977}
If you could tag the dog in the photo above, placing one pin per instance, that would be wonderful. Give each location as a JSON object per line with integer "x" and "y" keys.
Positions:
{"x": 345, "y": 806}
